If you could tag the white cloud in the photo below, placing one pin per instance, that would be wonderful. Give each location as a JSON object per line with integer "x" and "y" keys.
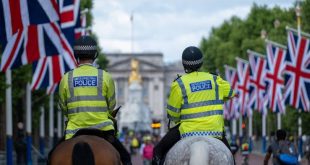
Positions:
{"x": 163, "y": 26}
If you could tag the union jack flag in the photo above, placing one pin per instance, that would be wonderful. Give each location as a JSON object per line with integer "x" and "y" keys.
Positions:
{"x": 15, "y": 14}
{"x": 18, "y": 20}
{"x": 70, "y": 21}
{"x": 243, "y": 87}
{"x": 30, "y": 44}
{"x": 69, "y": 13}
{"x": 47, "y": 72}
{"x": 275, "y": 82}
{"x": 51, "y": 68}
{"x": 297, "y": 70}
{"x": 257, "y": 81}
{"x": 231, "y": 106}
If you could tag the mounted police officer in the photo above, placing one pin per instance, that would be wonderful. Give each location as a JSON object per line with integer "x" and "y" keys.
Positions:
{"x": 87, "y": 96}
{"x": 195, "y": 104}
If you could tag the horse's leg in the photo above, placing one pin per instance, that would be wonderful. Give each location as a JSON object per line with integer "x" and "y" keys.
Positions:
{"x": 199, "y": 153}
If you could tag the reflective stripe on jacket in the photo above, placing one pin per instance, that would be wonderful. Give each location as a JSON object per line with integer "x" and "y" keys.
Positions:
{"x": 196, "y": 102}
{"x": 87, "y": 97}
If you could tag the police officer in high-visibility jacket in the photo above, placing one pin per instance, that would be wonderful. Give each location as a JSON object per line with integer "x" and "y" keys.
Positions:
{"x": 195, "y": 104}
{"x": 87, "y": 96}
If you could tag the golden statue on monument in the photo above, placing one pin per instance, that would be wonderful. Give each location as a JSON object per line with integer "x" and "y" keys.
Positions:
{"x": 134, "y": 75}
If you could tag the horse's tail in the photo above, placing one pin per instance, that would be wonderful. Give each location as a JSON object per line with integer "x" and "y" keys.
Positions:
{"x": 199, "y": 153}
{"x": 82, "y": 154}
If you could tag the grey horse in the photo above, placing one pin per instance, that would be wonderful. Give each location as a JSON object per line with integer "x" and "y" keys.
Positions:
{"x": 199, "y": 151}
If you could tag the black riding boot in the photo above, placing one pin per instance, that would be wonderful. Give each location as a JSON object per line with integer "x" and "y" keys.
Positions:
{"x": 125, "y": 156}
{"x": 225, "y": 141}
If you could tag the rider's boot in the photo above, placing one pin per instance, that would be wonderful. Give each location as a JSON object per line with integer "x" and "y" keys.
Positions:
{"x": 125, "y": 156}
{"x": 158, "y": 161}
{"x": 127, "y": 163}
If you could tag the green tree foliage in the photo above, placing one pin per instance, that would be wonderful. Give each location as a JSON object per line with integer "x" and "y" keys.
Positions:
{"x": 101, "y": 61}
{"x": 235, "y": 36}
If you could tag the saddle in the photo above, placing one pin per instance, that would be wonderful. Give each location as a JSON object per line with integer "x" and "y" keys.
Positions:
{"x": 107, "y": 135}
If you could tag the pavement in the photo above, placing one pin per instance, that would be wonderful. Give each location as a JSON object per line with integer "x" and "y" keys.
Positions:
{"x": 254, "y": 159}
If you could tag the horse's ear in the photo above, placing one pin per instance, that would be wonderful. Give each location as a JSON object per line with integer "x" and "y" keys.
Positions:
{"x": 115, "y": 111}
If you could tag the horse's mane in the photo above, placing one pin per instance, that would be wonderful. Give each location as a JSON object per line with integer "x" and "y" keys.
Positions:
{"x": 216, "y": 152}
{"x": 82, "y": 154}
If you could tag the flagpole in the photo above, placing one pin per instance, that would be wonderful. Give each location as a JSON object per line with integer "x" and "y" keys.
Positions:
{"x": 59, "y": 127}
{"x": 84, "y": 21}
{"x": 131, "y": 21}
{"x": 296, "y": 31}
{"x": 9, "y": 120}
{"x": 278, "y": 120}
{"x": 275, "y": 44}
{"x": 298, "y": 14}
{"x": 234, "y": 130}
{"x": 240, "y": 130}
{"x": 256, "y": 53}
{"x": 264, "y": 132}
{"x": 250, "y": 132}
{"x": 299, "y": 134}
{"x": 28, "y": 123}
{"x": 241, "y": 59}
{"x": 42, "y": 130}
{"x": 51, "y": 120}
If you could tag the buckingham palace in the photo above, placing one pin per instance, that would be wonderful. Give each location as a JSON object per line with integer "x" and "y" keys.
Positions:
{"x": 156, "y": 78}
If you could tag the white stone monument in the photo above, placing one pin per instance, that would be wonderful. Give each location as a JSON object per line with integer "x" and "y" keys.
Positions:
{"x": 135, "y": 115}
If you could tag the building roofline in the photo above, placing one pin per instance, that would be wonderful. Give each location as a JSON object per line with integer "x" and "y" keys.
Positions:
{"x": 111, "y": 66}
{"x": 134, "y": 54}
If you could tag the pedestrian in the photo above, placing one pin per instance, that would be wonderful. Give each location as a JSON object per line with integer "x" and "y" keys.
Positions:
{"x": 134, "y": 145}
{"x": 147, "y": 150}
{"x": 307, "y": 150}
{"x": 20, "y": 145}
{"x": 234, "y": 147}
{"x": 282, "y": 150}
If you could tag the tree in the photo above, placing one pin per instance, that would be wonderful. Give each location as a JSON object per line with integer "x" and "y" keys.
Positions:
{"x": 235, "y": 36}
{"x": 101, "y": 60}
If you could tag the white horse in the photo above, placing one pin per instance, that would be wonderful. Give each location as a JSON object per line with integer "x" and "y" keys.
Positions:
{"x": 199, "y": 151}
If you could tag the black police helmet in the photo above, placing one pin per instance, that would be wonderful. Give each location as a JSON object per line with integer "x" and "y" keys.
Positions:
{"x": 85, "y": 47}
{"x": 191, "y": 59}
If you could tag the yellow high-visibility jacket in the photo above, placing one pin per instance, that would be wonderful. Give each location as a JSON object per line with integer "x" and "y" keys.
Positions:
{"x": 87, "y": 98}
{"x": 196, "y": 103}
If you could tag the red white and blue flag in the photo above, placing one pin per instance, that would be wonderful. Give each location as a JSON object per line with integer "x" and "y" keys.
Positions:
{"x": 18, "y": 20}
{"x": 31, "y": 44}
{"x": 70, "y": 21}
{"x": 17, "y": 14}
{"x": 42, "y": 33}
{"x": 231, "y": 106}
{"x": 297, "y": 71}
{"x": 243, "y": 87}
{"x": 274, "y": 76}
{"x": 257, "y": 81}
{"x": 69, "y": 13}
{"x": 47, "y": 72}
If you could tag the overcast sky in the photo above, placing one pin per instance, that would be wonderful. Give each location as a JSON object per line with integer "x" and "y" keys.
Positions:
{"x": 165, "y": 26}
